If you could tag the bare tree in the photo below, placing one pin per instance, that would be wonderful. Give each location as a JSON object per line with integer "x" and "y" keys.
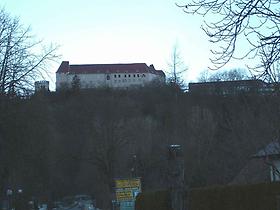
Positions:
{"x": 23, "y": 59}
{"x": 177, "y": 67}
{"x": 225, "y": 75}
{"x": 270, "y": 73}
{"x": 229, "y": 22}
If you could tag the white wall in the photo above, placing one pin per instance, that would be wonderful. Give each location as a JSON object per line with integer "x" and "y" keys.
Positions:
{"x": 62, "y": 80}
{"x": 114, "y": 80}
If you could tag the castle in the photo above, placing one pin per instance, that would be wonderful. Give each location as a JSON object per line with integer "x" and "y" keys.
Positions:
{"x": 107, "y": 75}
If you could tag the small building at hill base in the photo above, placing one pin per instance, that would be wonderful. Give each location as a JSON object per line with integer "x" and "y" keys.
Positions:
{"x": 264, "y": 166}
{"x": 107, "y": 75}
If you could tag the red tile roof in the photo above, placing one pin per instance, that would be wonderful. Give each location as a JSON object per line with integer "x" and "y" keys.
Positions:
{"x": 107, "y": 68}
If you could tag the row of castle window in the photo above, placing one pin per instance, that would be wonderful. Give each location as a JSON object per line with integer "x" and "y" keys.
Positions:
{"x": 126, "y": 75}
{"x": 125, "y": 80}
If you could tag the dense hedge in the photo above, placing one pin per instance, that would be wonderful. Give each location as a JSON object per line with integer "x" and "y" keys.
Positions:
{"x": 153, "y": 200}
{"x": 243, "y": 197}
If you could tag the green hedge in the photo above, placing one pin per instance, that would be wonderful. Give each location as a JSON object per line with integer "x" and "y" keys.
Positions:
{"x": 159, "y": 200}
{"x": 236, "y": 197}
{"x": 245, "y": 197}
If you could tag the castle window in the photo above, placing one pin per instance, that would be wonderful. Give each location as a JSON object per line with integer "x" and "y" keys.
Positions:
{"x": 119, "y": 75}
{"x": 108, "y": 77}
{"x": 125, "y": 75}
{"x": 143, "y": 75}
{"x": 115, "y": 76}
{"x": 129, "y": 75}
{"x": 137, "y": 75}
{"x": 133, "y": 75}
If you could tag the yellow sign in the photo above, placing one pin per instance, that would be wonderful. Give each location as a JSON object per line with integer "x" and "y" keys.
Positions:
{"x": 128, "y": 183}
{"x": 124, "y": 195}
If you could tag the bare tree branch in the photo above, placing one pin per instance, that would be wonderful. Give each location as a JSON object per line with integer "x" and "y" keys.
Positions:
{"x": 23, "y": 59}
{"x": 227, "y": 22}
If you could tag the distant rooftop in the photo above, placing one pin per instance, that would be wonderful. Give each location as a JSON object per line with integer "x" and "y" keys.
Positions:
{"x": 235, "y": 82}
{"x": 107, "y": 68}
{"x": 271, "y": 149}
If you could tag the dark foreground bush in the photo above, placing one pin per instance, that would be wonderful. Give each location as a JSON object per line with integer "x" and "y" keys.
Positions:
{"x": 153, "y": 200}
{"x": 245, "y": 197}
{"x": 236, "y": 197}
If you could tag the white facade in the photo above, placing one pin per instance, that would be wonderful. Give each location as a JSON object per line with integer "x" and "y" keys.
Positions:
{"x": 108, "y": 79}
{"x": 117, "y": 80}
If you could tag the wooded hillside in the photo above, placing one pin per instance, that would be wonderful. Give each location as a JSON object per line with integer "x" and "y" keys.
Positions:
{"x": 56, "y": 144}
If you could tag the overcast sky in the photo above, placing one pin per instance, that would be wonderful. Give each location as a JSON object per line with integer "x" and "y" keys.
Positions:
{"x": 117, "y": 31}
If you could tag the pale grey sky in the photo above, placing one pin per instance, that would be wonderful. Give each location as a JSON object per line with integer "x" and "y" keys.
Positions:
{"x": 123, "y": 31}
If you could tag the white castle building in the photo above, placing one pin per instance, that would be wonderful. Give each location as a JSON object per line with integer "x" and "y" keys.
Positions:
{"x": 107, "y": 75}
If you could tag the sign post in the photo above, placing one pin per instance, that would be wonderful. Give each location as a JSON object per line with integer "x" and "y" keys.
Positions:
{"x": 126, "y": 191}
